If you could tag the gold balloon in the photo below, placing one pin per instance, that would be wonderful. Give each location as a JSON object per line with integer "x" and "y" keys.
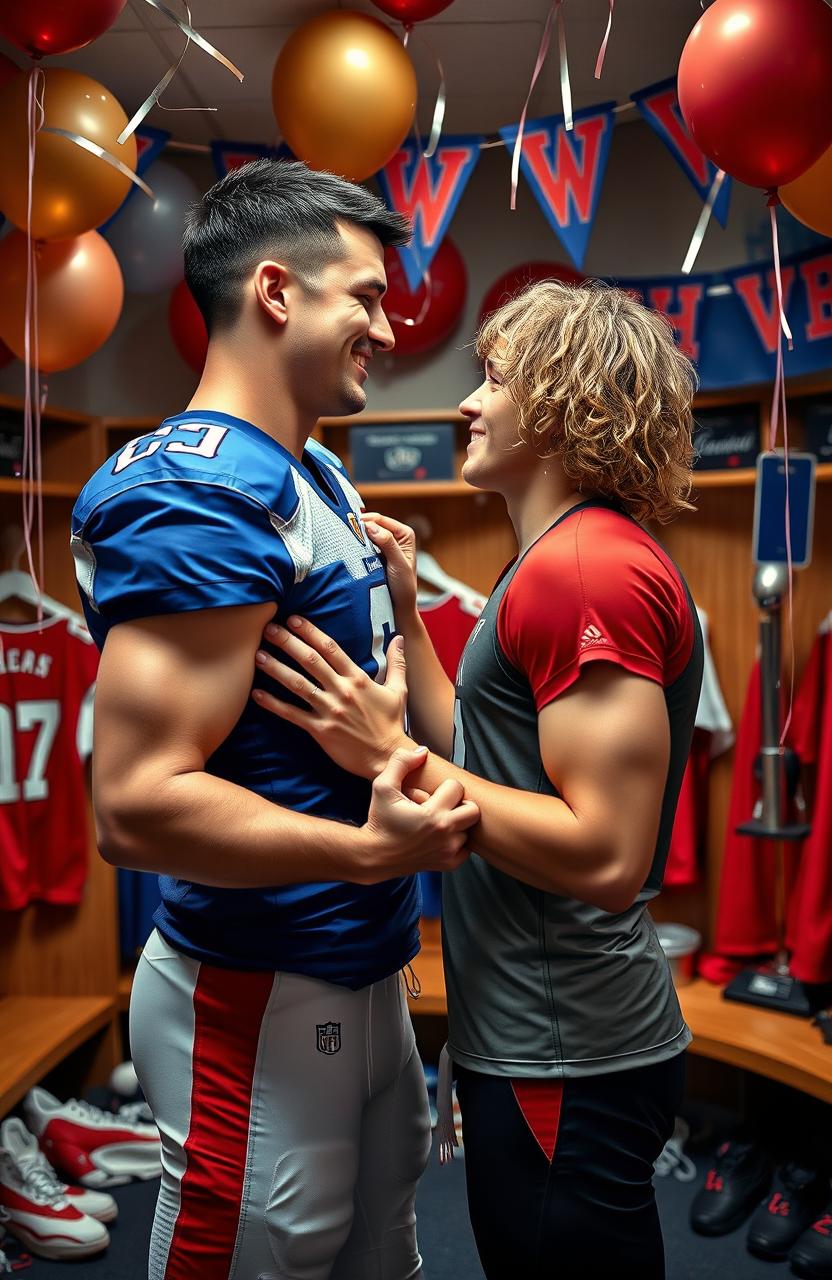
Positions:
{"x": 809, "y": 197}
{"x": 80, "y": 293}
{"x": 73, "y": 190}
{"x": 344, "y": 93}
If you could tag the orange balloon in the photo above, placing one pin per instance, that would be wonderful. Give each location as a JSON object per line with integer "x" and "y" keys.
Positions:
{"x": 73, "y": 190}
{"x": 80, "y": 292}
{"x": 344, "y": 93}
{"x": 809, "y": 197}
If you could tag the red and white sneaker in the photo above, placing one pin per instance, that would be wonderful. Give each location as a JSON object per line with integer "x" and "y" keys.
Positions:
{"x": 90, "y": 1146}
{"x": 22, "y": 1146}
{"x": 42, "y": 1218}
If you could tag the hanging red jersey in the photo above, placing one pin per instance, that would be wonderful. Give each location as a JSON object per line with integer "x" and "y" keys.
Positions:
{"x": 449, "y": 621}
{"x": 47, "y": 675}
{"x": 809, "y": 935}
{"x": 746, "y": 923}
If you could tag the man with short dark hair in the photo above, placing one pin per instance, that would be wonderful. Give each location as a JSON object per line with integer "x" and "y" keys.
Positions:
{"x": 268, "y": 1023}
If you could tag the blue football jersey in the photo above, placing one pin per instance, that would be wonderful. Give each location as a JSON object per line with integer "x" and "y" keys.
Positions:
{"x": 209, "y": 511}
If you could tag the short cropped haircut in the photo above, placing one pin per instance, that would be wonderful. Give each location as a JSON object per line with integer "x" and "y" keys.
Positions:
{"x": 599, "y": 383}
{"x": 273, "y": 209}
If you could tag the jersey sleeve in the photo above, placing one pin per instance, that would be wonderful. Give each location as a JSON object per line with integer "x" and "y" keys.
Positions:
{"x": 169, "y": 547}
{"x": 804, "y": 733}
{"x": 590, "y": 592}
{"x": 712, "y": 714}
{"x": 84, "y": 657}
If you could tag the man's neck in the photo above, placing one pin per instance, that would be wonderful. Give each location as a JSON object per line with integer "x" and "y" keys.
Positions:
{"x": 541, "y": 502}
{"x": 226, "y": 386}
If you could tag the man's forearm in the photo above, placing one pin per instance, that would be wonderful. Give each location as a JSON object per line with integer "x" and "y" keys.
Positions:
{"x": 535, "y": 838}
{"x": 196, "y": 827}
{"x": 431, "y": 693}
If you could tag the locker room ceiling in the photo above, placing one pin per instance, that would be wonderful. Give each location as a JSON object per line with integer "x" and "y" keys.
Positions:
{"x": 488, "y": 49}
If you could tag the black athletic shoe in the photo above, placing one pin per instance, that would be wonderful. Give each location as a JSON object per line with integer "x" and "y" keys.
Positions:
{"x": 812, "y": 1255}
{"x": 794, "y": 1201}
{"x": 733, "y": 1185}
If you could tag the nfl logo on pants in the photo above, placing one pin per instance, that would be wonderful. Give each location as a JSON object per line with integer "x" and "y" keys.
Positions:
{"x": 329, "y": 1037}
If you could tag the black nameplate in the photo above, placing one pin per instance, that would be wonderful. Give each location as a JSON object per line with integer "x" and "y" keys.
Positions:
{"x": 392, "y": 453}
{"x": 726, "y": 438}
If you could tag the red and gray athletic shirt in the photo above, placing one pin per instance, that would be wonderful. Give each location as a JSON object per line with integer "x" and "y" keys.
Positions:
{"x": 538, "y": 984}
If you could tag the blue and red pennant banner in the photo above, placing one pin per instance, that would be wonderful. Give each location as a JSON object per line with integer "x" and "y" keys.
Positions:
{"x": 659, "y": 105}
{"x": 727, "y": 322}
{"x": 428, "y": 191}
{"x": 150, "y": 143}
{"x": 565, "y": 169}
{"x": 232, "y": 155}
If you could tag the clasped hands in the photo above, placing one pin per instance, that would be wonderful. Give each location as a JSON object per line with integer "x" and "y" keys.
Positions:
{"x": 359, "y": 724}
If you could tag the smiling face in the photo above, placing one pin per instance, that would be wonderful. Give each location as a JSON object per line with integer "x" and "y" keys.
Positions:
{"x": 497, "y": 458}
{"x": 336, "y": 325}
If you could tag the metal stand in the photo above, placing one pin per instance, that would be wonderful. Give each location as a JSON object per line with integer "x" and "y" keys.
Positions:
{"x": 772, "y": 985}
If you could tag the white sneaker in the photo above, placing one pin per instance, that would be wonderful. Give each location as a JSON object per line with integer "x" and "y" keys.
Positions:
{"x": 672, "y": 1159}
{"x": 90, "y": 1146}
{"x": 42, "y": 1218}
{"x": 33, "y": 1165}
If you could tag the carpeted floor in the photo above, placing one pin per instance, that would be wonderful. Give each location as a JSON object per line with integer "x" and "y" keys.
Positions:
{"x": 445, "y": 1237}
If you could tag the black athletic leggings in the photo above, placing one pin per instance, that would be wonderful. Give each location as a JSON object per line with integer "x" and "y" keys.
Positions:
{"x": 560, "y": 1173}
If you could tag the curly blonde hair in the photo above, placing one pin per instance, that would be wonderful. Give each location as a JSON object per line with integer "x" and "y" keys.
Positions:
{"x": 600, "y": 384}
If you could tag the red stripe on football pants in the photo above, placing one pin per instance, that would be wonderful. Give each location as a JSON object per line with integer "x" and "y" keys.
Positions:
{"x": 228, "y": 1010}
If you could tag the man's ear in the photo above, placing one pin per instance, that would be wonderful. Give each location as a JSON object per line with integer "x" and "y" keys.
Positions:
{"x": 271, "y": 280}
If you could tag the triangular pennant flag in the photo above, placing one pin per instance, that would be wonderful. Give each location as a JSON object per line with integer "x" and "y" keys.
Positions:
{"x": 150, "y": 143}
{"x": 231, "y": 155}
{"x": 565, "y": 169}
{"x": 428, "y": 191}
{"x": 659, "y": 105}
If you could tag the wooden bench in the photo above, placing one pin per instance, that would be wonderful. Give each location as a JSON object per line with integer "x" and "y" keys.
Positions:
{"x": 37, "y": 1033}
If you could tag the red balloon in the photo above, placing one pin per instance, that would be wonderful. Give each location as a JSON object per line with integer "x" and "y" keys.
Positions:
{"x": 408, "y": 11}
{"x": 187, "y": 327}
{"x": 41, "y": 27}
{"x": 448, "y": 289}
{"x": 516, "y": 278}
{"x": 754, "y": 87}
{"x": 7, "y": 69}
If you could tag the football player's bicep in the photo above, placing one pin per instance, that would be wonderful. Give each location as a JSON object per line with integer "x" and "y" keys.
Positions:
{"x": 170, "y": 690}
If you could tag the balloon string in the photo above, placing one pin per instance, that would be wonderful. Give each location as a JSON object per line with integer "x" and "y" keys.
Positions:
{"x": 702, "y": 225}
{"x": 778, "y": 411}
{"x": 413, "y": 322}
{"x": 101, "y": 154}
{"x": 565, "y": 87}
{"x": 538, "y": 67}
{"x": 441, "y": 100}
{"x": 439, "y": 105}
{"x": 32, "y": 458}
{"x": 191, "y": 35}
{"x": 602, "y": 52}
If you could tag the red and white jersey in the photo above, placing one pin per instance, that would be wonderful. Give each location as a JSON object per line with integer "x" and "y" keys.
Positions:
{"x": 47, "y": 677}
{"x": 809, "y": 935}
{"x": 713, "y": 734}
{"x": 449, "y": 620}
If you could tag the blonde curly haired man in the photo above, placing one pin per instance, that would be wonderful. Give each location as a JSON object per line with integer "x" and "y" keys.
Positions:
{"x": 569, "y": 725}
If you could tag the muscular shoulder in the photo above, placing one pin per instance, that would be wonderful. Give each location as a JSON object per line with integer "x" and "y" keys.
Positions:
{"x": 597, "y": 586}
{"x": 187, "y": 464}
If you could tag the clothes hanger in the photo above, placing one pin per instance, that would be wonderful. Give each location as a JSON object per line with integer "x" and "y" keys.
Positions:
{"x": 17, "y": 585}
{"x": 430, "y": 573}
